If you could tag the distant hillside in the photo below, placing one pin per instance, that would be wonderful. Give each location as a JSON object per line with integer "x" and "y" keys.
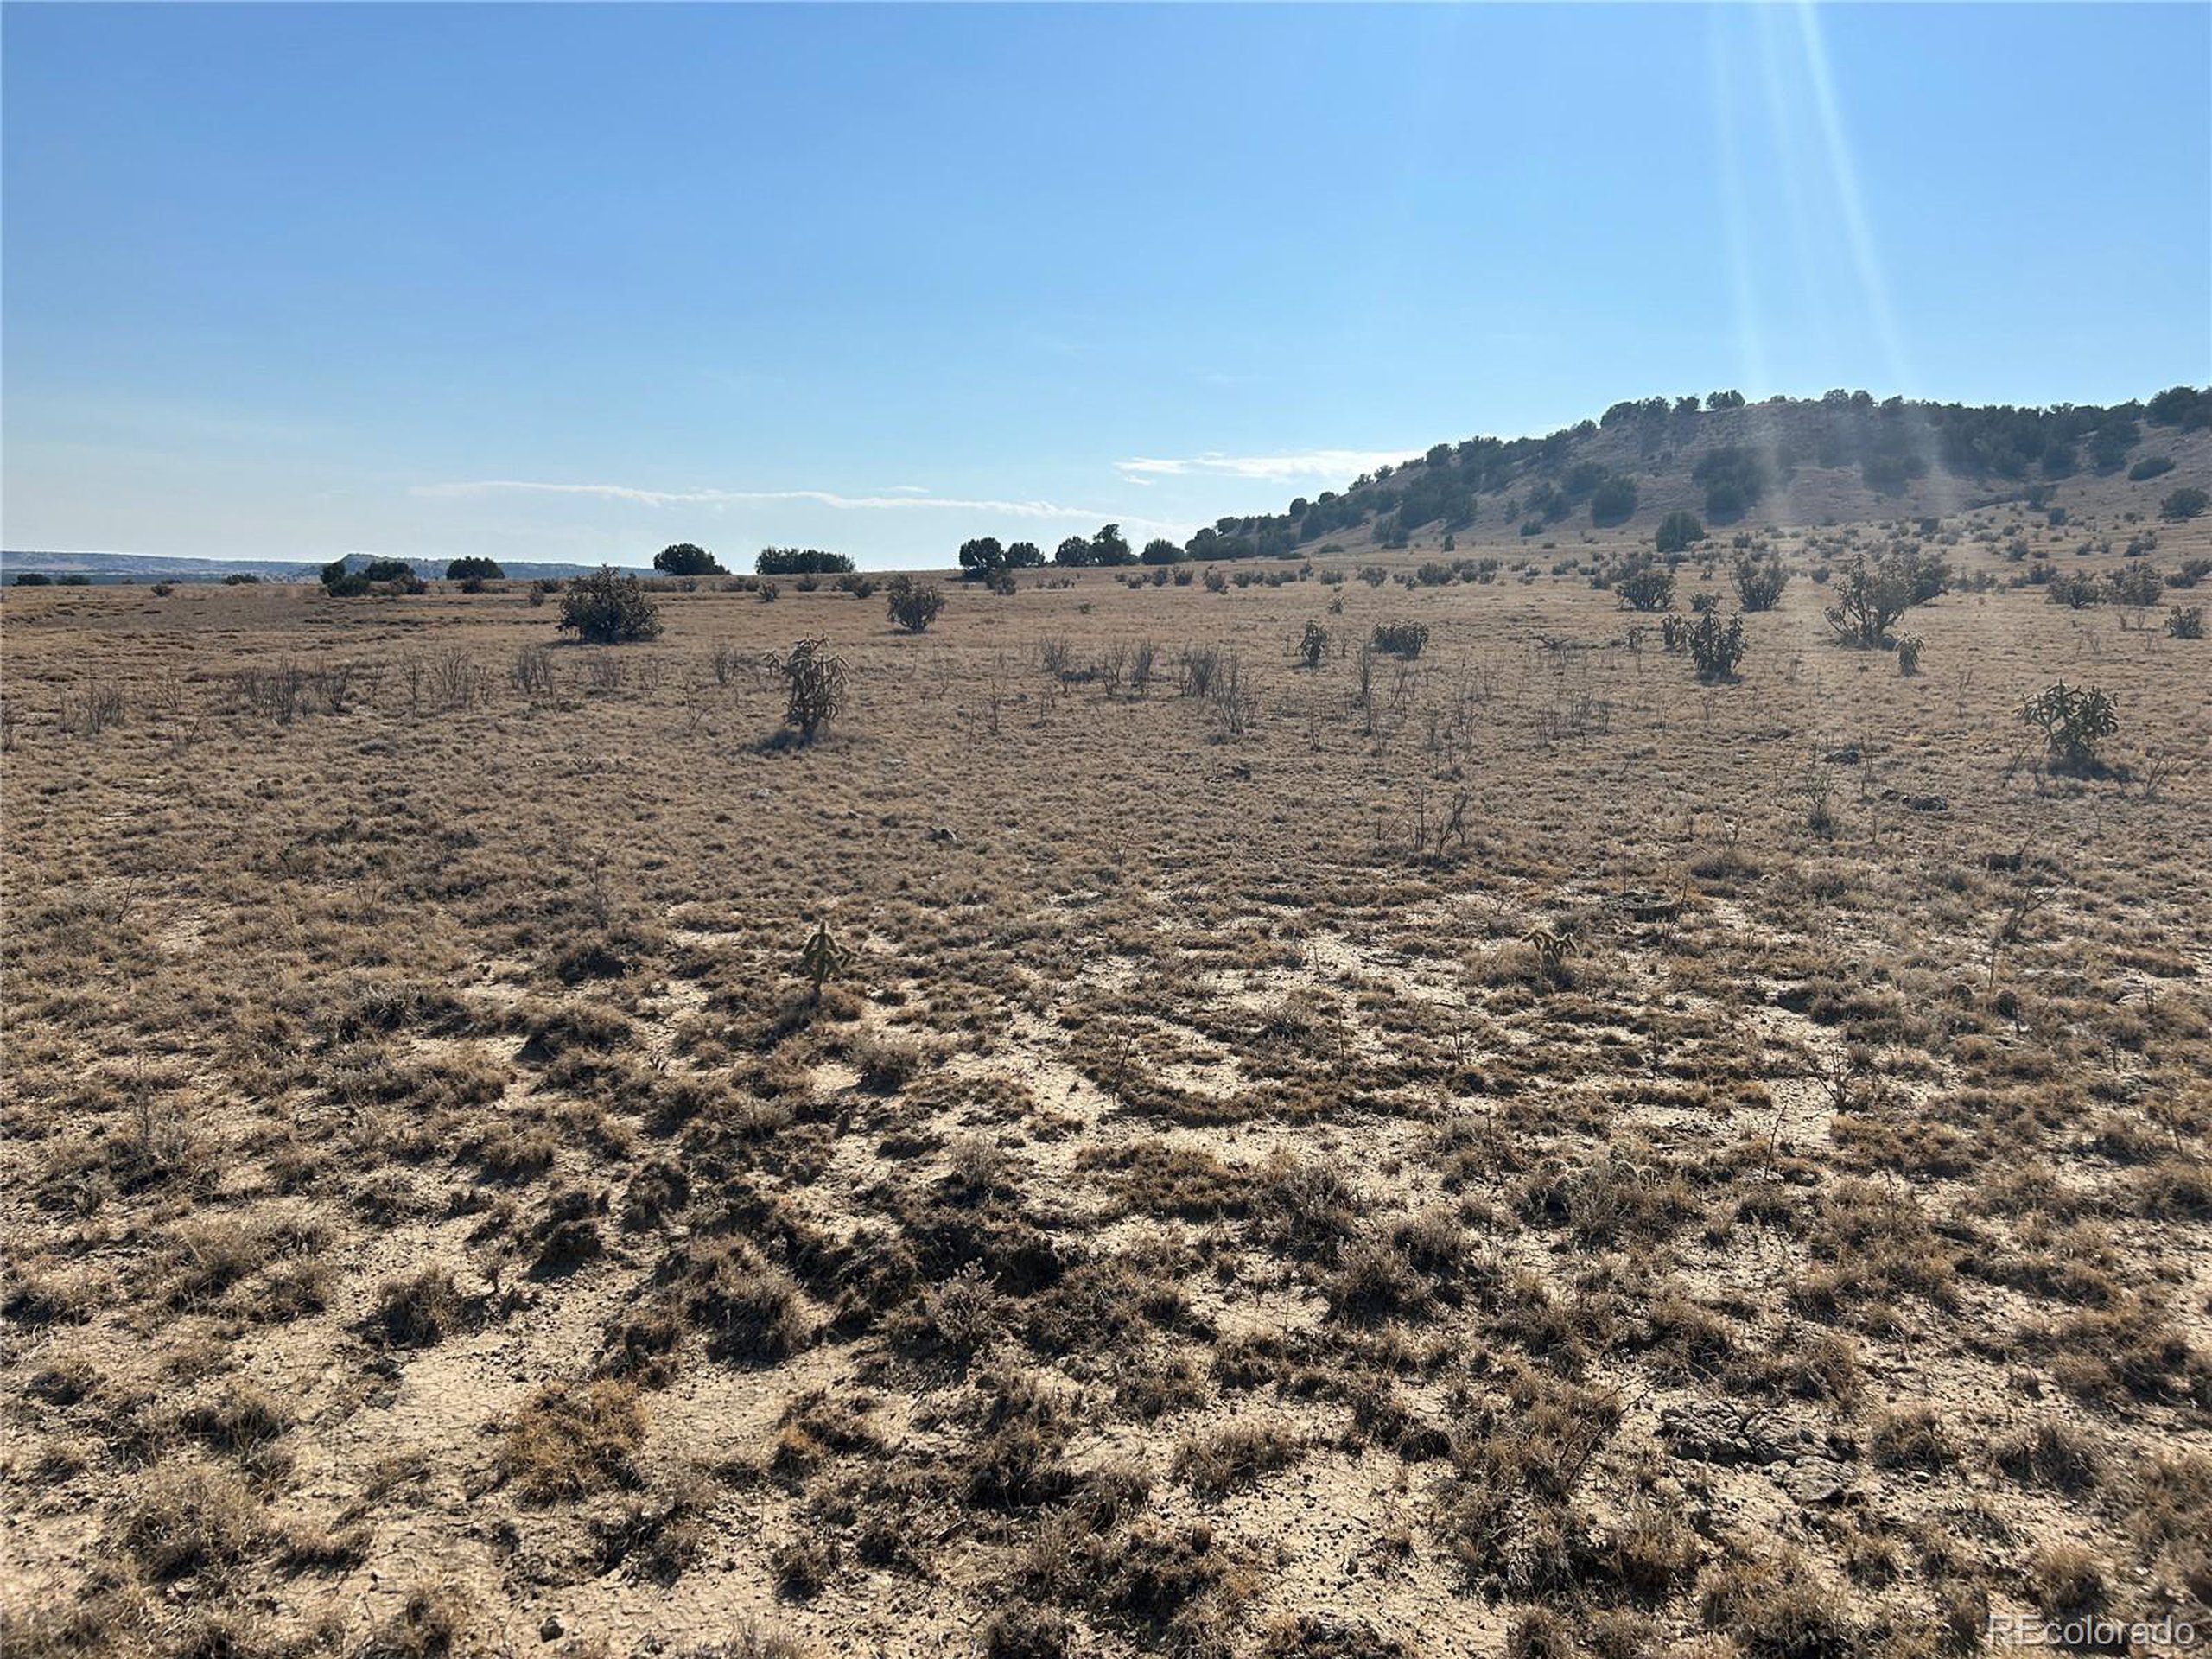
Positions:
{"x": 1836, "y": 460}
{"x": 105, "y": 568}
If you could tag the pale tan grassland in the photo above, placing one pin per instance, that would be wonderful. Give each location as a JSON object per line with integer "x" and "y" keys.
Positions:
{"x": 1552, "y": 1157}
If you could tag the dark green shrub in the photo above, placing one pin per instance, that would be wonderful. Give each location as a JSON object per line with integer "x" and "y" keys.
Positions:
{"x": 687, "y": 559}
{"x": 33, "y": 579}
{"x": 1401, "y": 638}
{"x": 2151, "y": 467}
{"x": 2186, "y": 503}
{"x": 473, "y": 569}
{"x": 2138, "y": 584}
{"x": 1734, "y": 479}
{"x": 801, "y": 562}
{"x": 1613, "y": 502}
{"x": 1759, "y": 581}
{"x": 389, "y": 575}
{"x": 2075, "y": 589}
{"x": 1646, "y": 589}
{"x": 2186, "y": 624}
{"x": 1312, "y": 645}
{"x": 1678, "y": 530}
{"x": 609, "y": 608}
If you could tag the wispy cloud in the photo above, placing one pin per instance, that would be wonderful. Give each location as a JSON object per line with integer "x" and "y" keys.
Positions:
{"x": 1311, "y": 463}
{"x": 902, "y": 498}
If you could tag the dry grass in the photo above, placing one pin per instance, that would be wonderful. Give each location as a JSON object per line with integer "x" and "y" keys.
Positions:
{"x": 1507, "y": 1148}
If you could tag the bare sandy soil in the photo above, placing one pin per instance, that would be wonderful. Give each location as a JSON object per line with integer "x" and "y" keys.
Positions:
{"x": 1511, "y": 1149}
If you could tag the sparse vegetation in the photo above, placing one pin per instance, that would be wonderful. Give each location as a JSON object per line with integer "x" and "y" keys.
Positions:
{"x": 429, "y": 1140}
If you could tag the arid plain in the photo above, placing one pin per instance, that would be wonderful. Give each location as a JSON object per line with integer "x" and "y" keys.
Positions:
{"x": 1507, "y": 1148}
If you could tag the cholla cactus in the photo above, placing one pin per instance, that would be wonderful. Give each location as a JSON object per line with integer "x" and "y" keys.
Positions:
{"x": 814, "y": 680}
{"x": 2074, "y": 719}
{"x": 1550, "y": 945}
{"x": 823, "y": 959}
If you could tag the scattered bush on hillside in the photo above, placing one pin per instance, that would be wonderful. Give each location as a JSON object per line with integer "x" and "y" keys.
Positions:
{"x": 2185, "y": 503}
{"x": 1678, "y": 532}
{"x": 1613, "y": 502}
{"x": 2182, "y": 406}
{"x": 1735, "y": 478}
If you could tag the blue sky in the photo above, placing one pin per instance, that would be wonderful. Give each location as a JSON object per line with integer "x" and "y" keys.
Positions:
{"x": 573, "y": 282}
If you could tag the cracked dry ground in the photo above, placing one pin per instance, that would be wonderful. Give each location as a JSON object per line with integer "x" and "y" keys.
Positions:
{"x": 1200, "y": 1220}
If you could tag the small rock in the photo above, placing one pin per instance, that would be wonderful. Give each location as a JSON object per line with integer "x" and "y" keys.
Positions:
{"x": 1712, "y": 1432}
{"x": 551, "y": 1628}
{"x": 1816, "y": 1480}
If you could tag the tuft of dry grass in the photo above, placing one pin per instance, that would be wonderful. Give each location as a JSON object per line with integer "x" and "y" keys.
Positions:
{"x": 571, "y": 1440}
